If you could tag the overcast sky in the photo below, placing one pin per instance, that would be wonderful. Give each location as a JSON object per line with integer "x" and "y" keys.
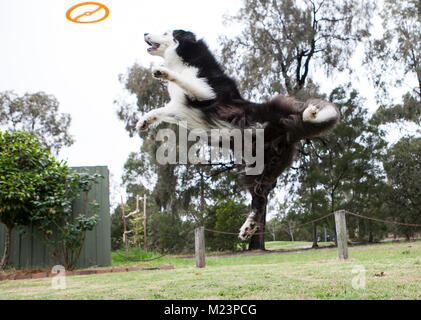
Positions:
{"x": 79, "y": 63}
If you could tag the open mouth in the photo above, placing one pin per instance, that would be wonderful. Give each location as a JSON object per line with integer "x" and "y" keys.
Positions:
{"x": 153, "y": 46}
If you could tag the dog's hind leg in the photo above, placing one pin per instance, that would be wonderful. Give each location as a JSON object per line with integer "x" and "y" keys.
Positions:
{"x": 249, "y": 227}
{"x": 196, "y": 88}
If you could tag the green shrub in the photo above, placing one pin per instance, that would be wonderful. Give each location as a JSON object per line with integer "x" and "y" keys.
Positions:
{"x": 36, "y": 189}
{"x": 225, "y": 215}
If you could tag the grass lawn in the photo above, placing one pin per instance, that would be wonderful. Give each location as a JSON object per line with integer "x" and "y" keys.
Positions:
{"x": 392, "y": 271}
{"x": 288, "y": 245}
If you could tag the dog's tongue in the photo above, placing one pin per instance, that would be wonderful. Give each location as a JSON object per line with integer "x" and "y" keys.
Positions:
{"x": 154, "y": 46}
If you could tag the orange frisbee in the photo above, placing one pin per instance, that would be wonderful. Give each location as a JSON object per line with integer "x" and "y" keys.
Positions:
{"x": 87, "y": 13}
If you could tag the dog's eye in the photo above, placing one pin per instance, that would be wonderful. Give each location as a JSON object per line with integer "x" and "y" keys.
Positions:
{"x": 165, "y": 33}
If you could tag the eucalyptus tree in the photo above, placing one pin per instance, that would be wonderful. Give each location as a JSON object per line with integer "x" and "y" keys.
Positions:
{"x": 142, "y": 167}
{"x": 343, "y": 170}
{"x": 394, "y": 59}
{"x": 282, "y": 40}
{"x": 403, "y": 167}
{"x": 37, "y": 114}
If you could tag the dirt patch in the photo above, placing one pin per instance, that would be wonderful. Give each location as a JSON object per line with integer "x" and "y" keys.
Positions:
{"x": 12, "y": 274}
{"x": 44, "y": 273}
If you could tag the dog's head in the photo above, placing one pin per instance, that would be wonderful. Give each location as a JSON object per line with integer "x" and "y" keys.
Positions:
{"x": 159, "y": 43}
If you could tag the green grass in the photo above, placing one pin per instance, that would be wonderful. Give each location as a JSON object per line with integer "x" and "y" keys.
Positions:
{"x": 393, "y": 271}
{"x": 289, "y": 245}
{"x": 138, "y": 256}
{"x": 135, "y": 255}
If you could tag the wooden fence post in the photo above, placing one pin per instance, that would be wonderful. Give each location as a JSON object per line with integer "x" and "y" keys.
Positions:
{"x": 136, "y": 230}
{"x": 341, "y": 235}
{"x": 199, "y": 244}
{"x": 144, "y": 224}
{"x": 123, "y": 215}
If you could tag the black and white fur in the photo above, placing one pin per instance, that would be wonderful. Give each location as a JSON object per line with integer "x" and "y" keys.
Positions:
{"x": 204, "y": 97}
{"x": 195, "y": 81}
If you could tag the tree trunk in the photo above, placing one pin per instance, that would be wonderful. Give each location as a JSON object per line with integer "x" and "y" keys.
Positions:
{"x": 315, "y": 245}
{"x": 258, "y": 205}
{"x": 291, "y": 233}
{"x": 7, "y": 244}
{"x": 202, "y": 193}
{"x": 370, "y": 237}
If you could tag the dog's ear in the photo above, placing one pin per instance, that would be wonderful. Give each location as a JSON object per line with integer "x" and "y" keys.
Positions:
{"x": 181, "y": 35}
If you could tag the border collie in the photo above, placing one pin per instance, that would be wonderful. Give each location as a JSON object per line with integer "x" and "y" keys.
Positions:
{"x": 204, "y": 97}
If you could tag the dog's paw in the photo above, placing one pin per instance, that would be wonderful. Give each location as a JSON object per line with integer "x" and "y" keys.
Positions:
{"x": 161, "y": 73}
{"x": 144, "y": 123}
{"x": 249, "y": 228}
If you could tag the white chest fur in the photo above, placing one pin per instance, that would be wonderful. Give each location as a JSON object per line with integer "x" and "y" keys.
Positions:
{"x": 185, "y": 81}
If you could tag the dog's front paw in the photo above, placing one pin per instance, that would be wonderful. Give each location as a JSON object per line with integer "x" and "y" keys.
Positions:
{"x": 249, "y": 228}
{"x": 144, "y": 123}
{"x": 161, "y": 73}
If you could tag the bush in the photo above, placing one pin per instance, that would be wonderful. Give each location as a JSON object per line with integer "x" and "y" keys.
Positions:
{"x": 226, "y": 215}
{"x": 169, "y": 233}
{"x": 36, "y": 189}
{"x": 29, "y": 179}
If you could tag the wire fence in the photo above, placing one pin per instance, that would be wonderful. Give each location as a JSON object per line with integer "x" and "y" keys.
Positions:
{"x": 340, "y": 227}
{"x": 384, "y": 221}
{"x": 286, "y": 229}
{"x": 289, "y": 229}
